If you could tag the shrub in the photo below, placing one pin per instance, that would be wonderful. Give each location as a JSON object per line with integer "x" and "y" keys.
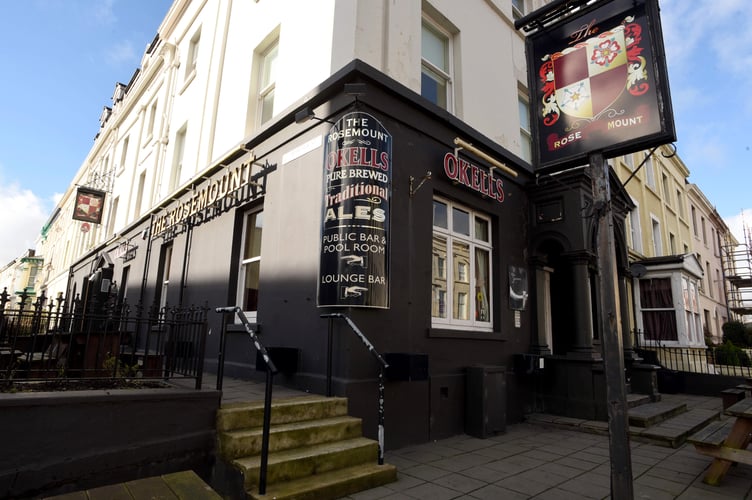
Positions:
{"x": 729, "y": 354}
{"x": 735, "y": 331}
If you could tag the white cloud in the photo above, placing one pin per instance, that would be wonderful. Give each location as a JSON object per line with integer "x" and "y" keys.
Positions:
{"x": 738, "y": 222}
{"x": 121, "y": 53}
{"x": 24, "y": 214}
{"x": 104, "y": 13}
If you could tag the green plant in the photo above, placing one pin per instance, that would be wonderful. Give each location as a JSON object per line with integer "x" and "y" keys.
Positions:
{"x": 729, "y": 354}
{"x": 115, "y": 366}
{"x": 736, "y": 332}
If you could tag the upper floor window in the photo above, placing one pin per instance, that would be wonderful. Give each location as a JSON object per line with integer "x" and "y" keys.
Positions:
{"x": 177, "y": 160}
{"x": 628, "y": 161}
{"x": 635, "y": 230}
{"x": 152, "y": 123}
{"x": 649, "y": 171}
{"x": 526, "y": 141}
{"x": 123, "y": 154}
{"x": 666, "y": 192}
{"x": 267, "y": 82}
{"x": 657, "y": 246}
{"x": 461, "y": 296}
{"x": 436, "y": 65}
{"x": 190, "y": 63}
{"x": 694, "y": 221}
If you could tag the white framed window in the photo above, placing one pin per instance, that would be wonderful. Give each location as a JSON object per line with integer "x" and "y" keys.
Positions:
{"x": 679, "y": 203}
{"x": 526, "y": 137}
{"x": 123, "y": 155}
{"x": 635, "y": 231}
{"x": 436, "y": 64}
{"x": 164, "y": 279}
{"x": 267, "y": 82}
{"x": 657, "y": 240}
{"x": 462, "y": 297}
{"x": 250, "y": 263}
{"x": 672, "y": 243}
{"x": 177, "y": 159}
{"x": 666, "y": 192}
{"x": 139, "y": 198}
{"x": 192, "y": 55}
{"x": 152, "y": 123}
{"x": 694, "y": 221}
{"x": 704, "y": 231}
{"x": 628, "y": 161}
{"x": 649, "y": 171}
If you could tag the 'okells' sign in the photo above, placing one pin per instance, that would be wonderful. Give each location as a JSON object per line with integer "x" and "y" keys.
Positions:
{"x": 354, "y": 268}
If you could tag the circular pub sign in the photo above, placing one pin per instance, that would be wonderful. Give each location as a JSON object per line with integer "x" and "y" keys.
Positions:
{"x": 85, "y": 227}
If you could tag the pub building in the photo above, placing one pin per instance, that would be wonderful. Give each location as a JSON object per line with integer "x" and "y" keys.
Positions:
{"x": 473, "y": 277}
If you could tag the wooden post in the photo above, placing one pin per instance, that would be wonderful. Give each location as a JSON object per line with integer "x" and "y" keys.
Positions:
{"x": 613, "y": 359}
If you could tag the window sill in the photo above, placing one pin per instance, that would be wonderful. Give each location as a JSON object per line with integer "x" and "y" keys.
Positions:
{"x": 445, "y": 333}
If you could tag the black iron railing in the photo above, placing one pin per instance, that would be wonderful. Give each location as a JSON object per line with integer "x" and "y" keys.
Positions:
{"x": 383, "y": 366}
{"x": 54, "y": 340}
{"x": 271, "y": 370}
{"x": 709, "y": 361}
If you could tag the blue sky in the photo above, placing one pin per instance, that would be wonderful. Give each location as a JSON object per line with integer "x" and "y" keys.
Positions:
{"x": 62, "y": 58}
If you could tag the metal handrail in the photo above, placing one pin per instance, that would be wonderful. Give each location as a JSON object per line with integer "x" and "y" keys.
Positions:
{"x": 271, "y": 370}
{"x": 374, "y": 353}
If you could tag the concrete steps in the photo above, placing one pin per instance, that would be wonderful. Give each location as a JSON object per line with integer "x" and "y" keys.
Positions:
{"x": 315, "y": 449}
{"x": 662, "y": 423}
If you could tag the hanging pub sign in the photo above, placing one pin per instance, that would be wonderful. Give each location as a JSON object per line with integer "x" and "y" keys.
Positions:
{"x": 354, "y": 266}
{"x": 89, "y": 205}
{"x": 598, "y": 83}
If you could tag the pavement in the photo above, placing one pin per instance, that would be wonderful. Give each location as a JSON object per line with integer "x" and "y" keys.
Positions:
{"x": 536, "y": 461}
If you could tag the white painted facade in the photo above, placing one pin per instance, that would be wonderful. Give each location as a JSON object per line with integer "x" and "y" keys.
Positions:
{"x": 196, "y": 94}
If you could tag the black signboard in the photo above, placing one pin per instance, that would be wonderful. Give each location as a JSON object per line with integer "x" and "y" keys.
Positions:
{"x": 598, "y": 83}
{"x": 354, "y": 268}
{"x": 89, "y": 205}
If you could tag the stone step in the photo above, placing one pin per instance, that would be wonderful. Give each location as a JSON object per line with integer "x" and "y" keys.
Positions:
{"x": 674, "y": 431}
{"x": 295, "y": 463}
{"x": 332, "y": 484}
{"x": 650, "y": 414}
{"x": 248, "y": 415}
{"x": 634, "y": 400}
{"x": 247, "y": 442}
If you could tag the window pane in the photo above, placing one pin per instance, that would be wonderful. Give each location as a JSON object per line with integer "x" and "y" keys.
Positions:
{"x": 254, "y": 227}
{"x": 267, "y": 106}
{"x": 434, "y": 48}
{"x": 440, "y": 214}
{"x": 460, "y": 222}
{"x": 481, "y": 229}
{"x": 438, "y": 279}
{"x": 269, "y": 68}
{"x": 251, "y": 289}
{"x": 433, "y": 87}
{"x": 482, "y": 311}
{"x": 656, "y": 293}
{"x": 461, "y": 260}
{"x": 524, "y": 115}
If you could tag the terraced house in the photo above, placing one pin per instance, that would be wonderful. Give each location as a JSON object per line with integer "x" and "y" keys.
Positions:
{"x": 371, "y": 160}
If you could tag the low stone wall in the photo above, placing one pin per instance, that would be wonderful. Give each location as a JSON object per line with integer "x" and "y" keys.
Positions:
{"x": 58, "y": 442}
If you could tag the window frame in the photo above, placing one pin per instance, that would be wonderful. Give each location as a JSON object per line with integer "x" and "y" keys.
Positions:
{"x": 475, "y": 244}
{"x": 267, "y": 83}
{"x": 429, "y": 68}
{"x": 244, "y": 261}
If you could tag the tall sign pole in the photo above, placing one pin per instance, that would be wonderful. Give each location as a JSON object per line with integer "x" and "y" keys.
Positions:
{"x": 599, "y": 88}
{"x": 613, "y": 354}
